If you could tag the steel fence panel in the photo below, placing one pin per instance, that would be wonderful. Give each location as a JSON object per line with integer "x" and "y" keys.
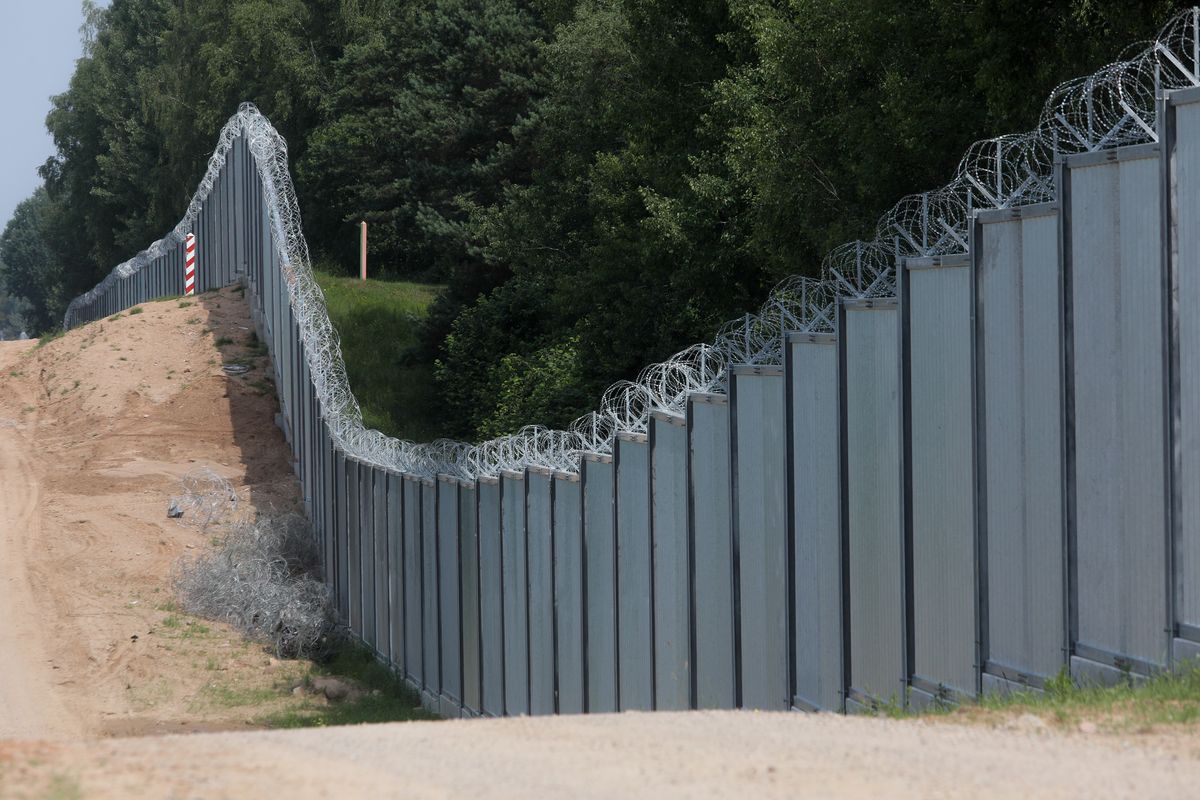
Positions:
{"x": 449, "y": 587}
{"x": 756, "y": 398}
{"x": 1019, "y": 396}
{"x": 539, "y": 535}
{"x": 366, "y": 523}
{"x": 354, "y": 543}
{"x": 635, "y": 590}
{"x": 869, "y": 342}
{"x": 812, "y": 375}
{"x": 1115, "y": 274}
{"x": 414, "y": 651}
{"x": 342, "y": 592}
{"x": 569, "y": 593}
{"x": 1183, "y": 137}
{"x": 941, "y": 458}
{"x": 382, "y": 575}
{"x": 710, "y": 520}
{"x": 468, "y": 518}
{"x": 429, "y": 588}
{"x": 491, "y": 591}
{"x": 672, "y": 562}
{"x": 514, "y": 556}
{"x": 600, "y": 606}
{"x": 396, "y": 571}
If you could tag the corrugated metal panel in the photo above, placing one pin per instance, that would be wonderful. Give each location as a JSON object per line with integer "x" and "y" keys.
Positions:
{"x": 871, "y": 427}
{"x": 395, "y": 535}
{"x": 383, "y": 642}
{"x": 568, "y": 592}
{"x": 600, "y": 554}
{"x": 469, "y": 575}
{"x": 942, "y": 476}
{"x": 516, "y": 594}
{"x": 672, "y": 609}
{"x": 539, "y": 532}
{"x": 635, "y": 598}
{"x": 816, "y": 515}
{"x": 429, "y": 586}
{"x": 711, "y": 521}
{"x": 491, "y": 604}
{"x": 1185, "y": 179}
{"x": 413, "y": 649}
{"x": 1018, "y": 302}
{"x": 1120, "y": 458}
{"x": 449, "y": 559}
{"x": 366, "y": 527}
{"x": 760, "y": 535}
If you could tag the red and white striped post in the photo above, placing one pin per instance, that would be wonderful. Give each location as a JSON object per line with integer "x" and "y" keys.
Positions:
{"x": 189, "y": 265}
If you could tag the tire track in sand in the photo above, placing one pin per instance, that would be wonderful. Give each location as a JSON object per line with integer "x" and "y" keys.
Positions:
{"x": 29, "y": 706}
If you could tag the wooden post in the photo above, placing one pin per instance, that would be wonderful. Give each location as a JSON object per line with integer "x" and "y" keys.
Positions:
{"x": 362, "y": 252}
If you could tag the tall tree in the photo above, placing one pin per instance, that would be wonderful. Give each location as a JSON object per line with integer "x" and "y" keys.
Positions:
{"x": 29, "y": 268}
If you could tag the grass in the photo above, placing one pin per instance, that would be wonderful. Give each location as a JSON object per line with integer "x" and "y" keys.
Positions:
{"x": 386, "y": 698}
{"x": 1167, "y": 699}
{"x": 378, "y": 323}
{"x": 136, "y": 310}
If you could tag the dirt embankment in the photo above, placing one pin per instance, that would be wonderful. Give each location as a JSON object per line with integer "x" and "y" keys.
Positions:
{"x": 96, "y": 430}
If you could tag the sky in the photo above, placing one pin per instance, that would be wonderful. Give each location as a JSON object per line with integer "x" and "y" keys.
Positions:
{"x": 39, "y": 44}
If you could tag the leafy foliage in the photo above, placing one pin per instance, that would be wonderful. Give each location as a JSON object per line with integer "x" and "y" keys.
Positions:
{"x": 597, "y": 182}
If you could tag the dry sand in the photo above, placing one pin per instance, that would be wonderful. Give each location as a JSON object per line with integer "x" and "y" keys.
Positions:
{"x": 96, "y": 430}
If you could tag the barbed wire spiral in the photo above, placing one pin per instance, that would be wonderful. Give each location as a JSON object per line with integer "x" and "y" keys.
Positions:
{"x": 1115, "y": 106}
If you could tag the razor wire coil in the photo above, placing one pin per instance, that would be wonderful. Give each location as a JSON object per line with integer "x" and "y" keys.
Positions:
{"x": 1115, "y": 106}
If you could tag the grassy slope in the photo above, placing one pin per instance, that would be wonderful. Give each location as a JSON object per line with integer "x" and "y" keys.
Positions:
{"x": 378, "y": 323}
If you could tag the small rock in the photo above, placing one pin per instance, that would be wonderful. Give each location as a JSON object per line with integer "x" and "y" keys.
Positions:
{"x": 298, "y": 691}
{"x": 174, "y": 511}
{"x": 333, "y": 689}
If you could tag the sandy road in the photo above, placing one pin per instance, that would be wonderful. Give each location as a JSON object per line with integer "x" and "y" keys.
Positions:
{"x": 29, "y": 706}
{"x": 698, "y": 754}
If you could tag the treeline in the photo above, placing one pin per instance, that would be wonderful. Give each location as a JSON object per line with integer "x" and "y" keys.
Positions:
{"x": 598, "y": 182}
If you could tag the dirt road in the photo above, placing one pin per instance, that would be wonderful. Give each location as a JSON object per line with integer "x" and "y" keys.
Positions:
{"x": 726, "y": 754}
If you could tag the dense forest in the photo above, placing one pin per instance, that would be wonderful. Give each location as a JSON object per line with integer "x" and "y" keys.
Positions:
{"x": 598, "y": 183}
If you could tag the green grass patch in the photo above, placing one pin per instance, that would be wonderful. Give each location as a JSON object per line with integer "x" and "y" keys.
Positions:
{"x": 1132, "y": 706}
{"x": 378, "y": 323}
{"x": 386, "y": 698}
{"x": 219, "y": 695}
{"x": 136, "y": 310}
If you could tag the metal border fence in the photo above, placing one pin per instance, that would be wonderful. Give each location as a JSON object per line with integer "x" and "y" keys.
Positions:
{"x": 963, "y": 471}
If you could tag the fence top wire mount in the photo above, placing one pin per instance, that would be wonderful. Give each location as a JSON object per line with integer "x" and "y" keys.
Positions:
{"x": 1115, "y": 106}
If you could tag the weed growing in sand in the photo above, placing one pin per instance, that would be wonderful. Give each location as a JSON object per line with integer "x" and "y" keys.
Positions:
{"x": 136, "y": 310}
{"x": 194, "y": 321}
{"x": 186, "y": 304}
{"x": 223, "y": 341}
{"x": 49, "y": 337}
{"x": 115, "y": 317}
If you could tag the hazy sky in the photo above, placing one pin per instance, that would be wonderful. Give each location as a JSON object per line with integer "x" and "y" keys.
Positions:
{"x": 39, "y": 43}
